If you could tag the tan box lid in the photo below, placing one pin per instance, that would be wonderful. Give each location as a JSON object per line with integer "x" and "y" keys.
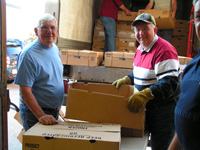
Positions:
{"x": 84, "y": 131}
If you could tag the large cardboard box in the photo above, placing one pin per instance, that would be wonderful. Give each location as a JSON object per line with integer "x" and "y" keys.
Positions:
{"x": 119, "y": 59}
{"x": 123, "y": 17}
{"x": 72, "y": 136}
{"x": 163, "y": 17}
{"x": 84, "y": 57}
{"x": 103, "y": 103}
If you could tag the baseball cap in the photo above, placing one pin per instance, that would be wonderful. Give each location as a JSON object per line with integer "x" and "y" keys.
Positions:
{"x": 145, "y": 17}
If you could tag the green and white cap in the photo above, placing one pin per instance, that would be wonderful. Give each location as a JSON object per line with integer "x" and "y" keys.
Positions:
{"x": 145, "y": 17}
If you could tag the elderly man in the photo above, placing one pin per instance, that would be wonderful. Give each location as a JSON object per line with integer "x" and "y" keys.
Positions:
{"x": 155, "y": 75}
{"x": 40, "y": 76}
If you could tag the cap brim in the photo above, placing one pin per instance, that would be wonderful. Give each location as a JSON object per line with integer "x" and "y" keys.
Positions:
{"x": 139, "y": 20}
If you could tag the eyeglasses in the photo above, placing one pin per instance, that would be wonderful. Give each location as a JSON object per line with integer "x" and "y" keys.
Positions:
{"x": 45, "y": 28}
{"x": 143, "y": 29}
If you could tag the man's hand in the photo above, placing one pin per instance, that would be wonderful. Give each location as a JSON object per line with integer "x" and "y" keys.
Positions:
{"x": 138, "y": 100}
{"x": 48, "y": 120}
{"x": 127, "y": 12}
{"x": 124, "y": 80}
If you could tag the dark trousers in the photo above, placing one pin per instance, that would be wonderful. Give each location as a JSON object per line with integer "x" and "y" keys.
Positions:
{"x": 160, "y": 124}
{"x": 28, "y": 118}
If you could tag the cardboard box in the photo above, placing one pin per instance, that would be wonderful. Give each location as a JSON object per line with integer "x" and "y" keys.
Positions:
{"x": 180, "y": 43}
{"x": 182, "y": 24}
{"x": 125, "y": 42}
{"x": 181, "y": 60}
{"x": 63, "y": 54}
{"x": 72, "y": 136}
{"x": 180, "y": 32}
{"x": 124, "y": 25}
{"x": 187, "y": 60}
{"x": 181, "y": 50}
{"x": 184, "y": 60}
{"x": 98, "y": 41}
{"x": 84, "y": 57}
{"x": 163, "y": 17}
{"x": 123, "y": 17}
{"x": 123, "y": 33}
{"x": 99, "y": 33}
{"x": 97, "y": 48}
{"x": 119, "y": 59}
{"x": 126, "y": 49}
{"x": 103, "y": 103}
{"x": 98, "y": 24}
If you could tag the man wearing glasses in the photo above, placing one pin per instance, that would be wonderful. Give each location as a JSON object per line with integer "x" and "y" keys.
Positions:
{"x": 40, "y": 76}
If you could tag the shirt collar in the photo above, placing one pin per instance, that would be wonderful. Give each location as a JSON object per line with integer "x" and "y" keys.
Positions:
{"x": 150, "y": 45}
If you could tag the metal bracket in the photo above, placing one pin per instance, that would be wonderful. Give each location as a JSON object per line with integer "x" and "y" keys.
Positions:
{"x": 2, "y": 89}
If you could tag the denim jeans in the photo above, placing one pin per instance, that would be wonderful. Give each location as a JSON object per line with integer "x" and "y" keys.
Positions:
{"x": 160, "y": 124}
{"x": 28, "y": 118}
{"x": 110, "y": 33}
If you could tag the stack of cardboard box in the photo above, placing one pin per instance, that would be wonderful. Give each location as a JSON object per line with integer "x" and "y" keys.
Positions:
{"x": 180, "y": 36}
{"x": 99, "y": 36}
{"x": 125, "y": 37}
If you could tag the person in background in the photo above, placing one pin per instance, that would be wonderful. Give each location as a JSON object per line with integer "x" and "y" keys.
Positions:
{"x": 156, "y": 77}
{"x": 108, "y": 15}
{"x": 163, "y": 4}
{"x": 187, "y": 112}
{"x": 40, "y": 76}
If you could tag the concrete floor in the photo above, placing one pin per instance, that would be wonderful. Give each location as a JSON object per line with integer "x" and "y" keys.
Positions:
{"x": 14, "y": 127}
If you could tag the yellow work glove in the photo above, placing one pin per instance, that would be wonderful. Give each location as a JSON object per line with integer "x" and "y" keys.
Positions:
{"x": 138, "y": 100}
{"x": 119, "y": 82}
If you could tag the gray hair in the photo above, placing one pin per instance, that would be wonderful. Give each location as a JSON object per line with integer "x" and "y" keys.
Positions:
{"x": 195, "y": 1}
{"x": 46, "y": 17}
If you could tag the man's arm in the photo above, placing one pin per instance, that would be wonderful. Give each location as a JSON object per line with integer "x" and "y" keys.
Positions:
{"x": 33, "y": 105}
{"x": 127, "y": 12}
{"x": 174, "y": 8}
{"x": 150, "y": 5}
